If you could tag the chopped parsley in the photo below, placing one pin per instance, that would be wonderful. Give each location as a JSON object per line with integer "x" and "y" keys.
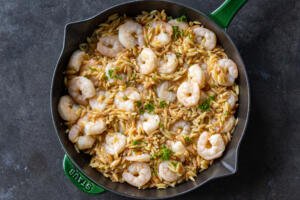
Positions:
{"x": 149, "y": 107}
{"x": 161, "y": 125}
{"x": 136, "y": 142}
{"x": 174, "y": 164}
{"x": 206, "y": 104}
{"x": 125, "y": 98}
{"x": 187, "y": 139}
{"x": 138, "y": 104}
{"x": 110, "y": 73}
{"x": 113, "y": 75}
{"x": 93, "y": 69}
{"x": 182, "y": 18}
{"x": 162, "y": 104}
{"x": 178, "y": 54}
{"x": 165, "y": 153}
{"x": 176, "y": 32}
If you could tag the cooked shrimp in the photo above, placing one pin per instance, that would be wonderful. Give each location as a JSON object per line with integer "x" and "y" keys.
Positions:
{"x": 181, "y": 25}
{"x": 196, "y": 74}
{"x": 81, "y": 89}
{"x": 181, "y": 127}
{"x": 67, "y": 109}
{"x": 85, "y": 142}
{"x": 177, "y": 147}
{"x": 228, "y": 124}
{"x": 205, "y": 37}
{"x": 164, "y": 34}
{"x": 216, "y": 146}
{"x": 76, "y": 60}
{"x": 131, "y": 34}
{"x": 95, "y": 128}
{"x": 137, "y": 174}
{"x": 139, "y": 158}
{"x": 109, "y": 46}
{"x": 188, "y": 93}
{"x": 168, "y": 63}
{"x": 225, "y": 72}
{"x": 165, "y": 173}
{"x": 163, "y": 92}
{"x": 99, "y": 102}
{"x": 147, "y": 61}
{"x": 125, "y": 100}
{"x": 74, "y": 133}
{"x": 114, "y": 143}
{"x": 149, "y": 122}
{"x": 231, "y": 98}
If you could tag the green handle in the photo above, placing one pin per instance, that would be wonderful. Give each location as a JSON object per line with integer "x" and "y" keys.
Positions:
{"x": 224, "y": 14}
{"x": 79, "y": 179}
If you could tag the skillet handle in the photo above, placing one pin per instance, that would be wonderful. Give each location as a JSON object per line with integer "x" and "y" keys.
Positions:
{"x": 224, "y": 14}
{"x": 79, "y": 179}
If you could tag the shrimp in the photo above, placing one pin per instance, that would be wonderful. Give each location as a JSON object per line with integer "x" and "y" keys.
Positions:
{"x": 95, "y": 128}
{"x": 85, "y": 142}
{"x": 81, "y": 89}
{"x": 76, "y": 60}
{"x": 131, "y": 34}
{"x": 165, "y": 173}
{"x": 188, "y": 93}
{"x": 137, "y": 174}
{"x": 124, "y": 100}
{"x": 196, "y": 74}
{"x": 114, "y": 143}
{"x": 99, "y": 102}
{"x": 139, "y": 158}
{"x": 177, "y": 147}
{"x": 216, "y": 146}
{"x": 164, "y": 34}
{"x": 205, "y": 37}
{"x": 231, "y": 98}
{"x": 149, "y": 122}
{"x": 74, "y": 133}
{"x": 109, "y": 46}
{"x": 147, "y": 61}
{"x": 168, "y": 63}
{"x": 67, "y": 109}
{"x": 181, "y": 25}
{"x": 163, "y": 92}
{"x": 181, "y": 127}
{"x": 225, "y": 72}
{"x": 228, "y": 124}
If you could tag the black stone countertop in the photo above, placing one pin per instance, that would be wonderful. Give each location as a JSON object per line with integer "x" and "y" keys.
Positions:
{"x": 267, "y": 33}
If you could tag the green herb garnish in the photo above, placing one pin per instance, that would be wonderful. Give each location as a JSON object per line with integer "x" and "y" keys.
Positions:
{"x": 149, "y": 107}
{"x": 110, "y": 73}
{"x": 176, "y": 32}
{"x": 182, "y": 18}
{"x": 178, "y": 54}
{"x": 169, "y": 18}
{"x": 93, "y": 69}
{"x": 125, "y": 98}
{"x": 162, "y": 104}
{"x": 136, "y": 142}
{"x": 206, "y": 104}
{"x": 138, "y": 104}
{"x": 165, "y": 153}
{"x": 187, "y": 139}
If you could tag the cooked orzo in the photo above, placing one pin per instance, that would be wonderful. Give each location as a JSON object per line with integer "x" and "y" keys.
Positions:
{"x": 152, "y": 99}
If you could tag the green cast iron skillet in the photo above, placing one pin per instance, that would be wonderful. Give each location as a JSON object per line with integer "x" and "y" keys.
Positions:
{"x": 76, "y": 165}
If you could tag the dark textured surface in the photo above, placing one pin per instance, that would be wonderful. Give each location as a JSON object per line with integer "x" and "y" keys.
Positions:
{"x": 267, "y": 35}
